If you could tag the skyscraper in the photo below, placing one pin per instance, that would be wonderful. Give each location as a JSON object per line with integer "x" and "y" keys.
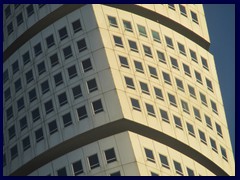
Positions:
{"x": 111, "y": 90}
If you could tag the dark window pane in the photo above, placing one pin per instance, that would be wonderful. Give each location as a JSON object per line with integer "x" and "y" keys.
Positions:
{"x": 67, "y": 119}
{"x": 41, "y": 68}
{"x": 54, "y": 60}
{"x": 62, "y": 172}
{"x": 26, "y": 58}
{"x": 30, "y": 10}
{"x": 63, "y": 33}
{"x": 112, "y": 21}
{"x": 23, "y": 123}
{"x": 97, "y": 106}
{"x": 35, "y": 115}
{"x": 67, "y": 51}
{"x": 50, "y": 41}
{"x": 76, "y": 26}
{"x": 14, "y": 152}
{"x": 164, "y": 161}
{"x": 39, "y": 135}
{"x": 129, "y": 82}
{"x": 82, "y": 113}
{"x": 19, "y": 19}
{"x": 11, "y": 132}
{"x": 110, "y": 155}
{"x": 58, "y": 79}
{"x": 135, "y": 104}
{"x": 127, "y": 26}
{"x": 150, "y": 109}
{"x": 149, "y": 155}
{"x": 118, "y": 41}
{"x": 26, "y": 143}
{"x": 32, "y": 95}
{"x": 82, "y": 45}
{"x": 87, "y": 65}
{"x": 92, "y": 85}
{"x": 52, "y": 126}
{"x": 48, "y": 106}
{"x": 37, "y": 49}
{"x": 45, "y": 87}
{"x": 62, "y": 98}
{"x": 77, "y": 167}
{"x": 77, "y": 92}
{"x": 93, "y": 161}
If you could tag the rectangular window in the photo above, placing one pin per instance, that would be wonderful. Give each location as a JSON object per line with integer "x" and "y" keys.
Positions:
{"x": 169, "y": 42}
{"x": 62, "y": 172}
{"x": 14, "y": 152}
{"x": 76, "y": 25}
{"x": 72, "y": 72}
{"x": 20, "y": 104}
{"x": 203, "y": 99}
{"x": 204, "y": 63}
{"x": 178, "y": 167}
{"x": 54, "y": 60}
{"x": 153, "y": 72}
{"x": 23, "y": 123}
{"x": 190, "y": 172}
{"x": 138, "y": 66}
{"x": 171, "y": 6}
{"x": 154, "y": 174}
{"x": 194, "y": 17}
{"x": 48, "y": 106}
{"x": 35, "y": 115}
{"x": 185, "y": 106}
{"x": 45, "y": 87}
{"x": 58, "y": 79}
{"x": 198, "y": 77}
{"x": 32, "y": 95}
{"x": 82, "y": 113}
{"x": 129, "y": 82}
{"x": 110, "y": 155}
{"x": 118, "y": 41}
{"x": 10, "y": 28}
{"x": 224, "y": 153}
{"x": 67, "y": 119}
{"x": 7, "y": 11}
{"x": 164, "y": 116}
{"x": 67, "y": 52}
{"x": 181, "y": 49}
{"x": 164, "y": 161}
{"x": 179, "y": 84}
{"x": 197, "y": 114}
{"x": 112, "y": 21}
{"x": 133, "y": 46}
{"x": 29, "y": 76}
{"x": 93, "y": 161}
{"x": 124, "y": 62}
{"x": 30, "y": 10}
{"x": 150, "y": 110}
{"x": 50, "y": 41}
{"x": 77, "y": 91}
{"x": 219, "y": 130}
{"x": 174, "y": 63}
{"x": 92, "y": 85}
{"x": 87, "y": 65}
{"x": 97, "y": 106}
{"x": 118, "y": 173}
{"x": 213, "y": 145}
{"x": 187, "y": 70}
{"x": 183, "y": 10}
{"x": 5, "y": 76}
{"x": 15, "y": 67}
{"x": 26, "y": 58}
{"x": 167, "y": 78}
{"x": 156, "y": 36}
{"x": 37, "y": 49}
{"x": 77, "y": 167}
{"x": 158, "y": 93}
{"x": 208, "y": 121}
{"x": 82, "y": 46}
{"x": 147, "y": 51}
{"x": 62, "y": 99}
{"x": 161, "y": 57}
{"x": 149, "y": 155}
{"x": 135, "y": 104}
{"x": 172, "y": 100}
{"x": 127, "y": 26}
{"x": 19, "y": 19}
{"x": 193, "y": 56}
{"x": 7, "y": 94}
{"x": 52, "y": 126}
{"x": 41, "y": 68}
{"x": 63, "y": 34}
{"x": 192, "y": 91}
{"x": 190, "y": 129}
{"x": 144, "y": 88}
{"x": 26, "y": 143}
{"x": 18, "y": 85}
{"x": 178, "y": 122}
{"x": 11, "y": 132}
{"x": 142, "y": 30}
{"x": 209, "y": 84}
{"x": 39, "y": 135}
{"x": 202, "y": 137}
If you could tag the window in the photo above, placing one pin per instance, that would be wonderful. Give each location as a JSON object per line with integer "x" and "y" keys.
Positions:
{"x": 5, "y": 76}
{"x": 135, "y": 104}
{"x": 50, "y": 41}
{"x": 19, "y": 19}
{"x": 72, "y": 72}
{"x": 169, "y": 42}
{"x": 186, "y": 70}
{"x": 62, "y": 172}
{"x": 41, "y": 68}
{"x": 54, "y": 60}
{"x": 202, "y": 137}
{"x": 93, "y": 161}
{"x": 198, "y": 77}
{"x": 26, "y": 143}
{"x": 144, "y": 88}
{"x": 158, "y": 93}
{"x": 149, "y": 155}
{"x": 224, "y": 153}
{"x": 193, "y": 56}
{"x": 30, "y": 10}
{"x": 178, "y": 167}
{"x": 15, "y": 67}
{"x": 192, "y": 91}
{"x": 154, "y": 174}
{"x": 7, "y": 94}
{"x": 77, "y": 91}
{"x": 77, "y": 167}
{"x": 129, "y": 82}
{"x": 32, "y": 95}
{"x": 52, "y": 126}
{"x": 37, "y": 49}
{"x": 204, "y": 63}
{"x": 181, "y": 49}
{"x": 67, "y": 119}
{"x": 20, "y": 104}
{"x": 67, "y": 51}
{"x": 166, "y": 78}
{"x": 190, "y": 172}
{"x": 190, "y": 129}
{"x": 118, "y": 41}
{"x": 194, "y": 17}
{"x": 147, "y": 51}
{"x": 58, "y": 79}
{"x": 62, "y": 99}
{"x": 82, "y": 45}
{"x": 178, "y": 122}
{"x": 138, "y": 66}
{"x": 39, "y": 135}
{"x": 97, "y": 106}
{"x": 45, "y": 87}
{"x": 29, "y": 76}
{"x": 127, "y": 26}
{"x": 209, "y": 84}
{"x": 63, "y": 33}
{"x": 35, "y": 115}
{"x": 197, "y": 114}
{"x": 14, "y": 152}
{"x": 18, "y": 85}
{"x": 183, "y": 10}
{"x": 9, "y": 113}
{"x": 133, "y": 46}
{"x": 87, "y": 65}
{"x": 208, "y": 121}
{"x": 110, "y": 155}
{"x": 11, "y": 132}
{"x": 179, "y": 84}
{"x": 171, "y": 6}
{"x": 112, "y": 21}
{"x": 219, "y": 130}
{"x": 142, "y": 30}
{"x": 23, "y": 123}
{"x": 82, "y": 113}
{"x": 161, "y": 57}
{"x": 172, "y": 100}
{"x": 26, "y": 58}
{"x": 40, "y": 5}
{"x": 174, "y": 63}
{"x": 76, "y": 25}
{"x": 10, "y": 28}
{"x": 164, "y": 161}
{"x": 116, "y": 174}
{"x": 7, "y": 11}
{"x": 123, "y": 61}
{"x": 203, "y": 99}
{"x": 185, "y": 106}
{"x": 164, "y": 115}
{"x": 92, "y": 85}
{"x": 213, "y": 145}
{"x": 156, "y": 36}
{"x": 153, "y": 72}
{"x": 150, "y": 110}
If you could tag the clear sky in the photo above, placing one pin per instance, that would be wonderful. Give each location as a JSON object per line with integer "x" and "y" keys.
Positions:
{"x": 221, "y": 27}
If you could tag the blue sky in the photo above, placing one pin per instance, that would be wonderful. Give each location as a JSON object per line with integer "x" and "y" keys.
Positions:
{"x": 221, "y": 27}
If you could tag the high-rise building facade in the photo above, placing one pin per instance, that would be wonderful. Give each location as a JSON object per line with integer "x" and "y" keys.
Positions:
{"x": 109, "y": 89}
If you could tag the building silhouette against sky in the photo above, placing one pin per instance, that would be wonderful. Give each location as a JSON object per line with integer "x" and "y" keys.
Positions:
{"x": 111, "y": 90}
